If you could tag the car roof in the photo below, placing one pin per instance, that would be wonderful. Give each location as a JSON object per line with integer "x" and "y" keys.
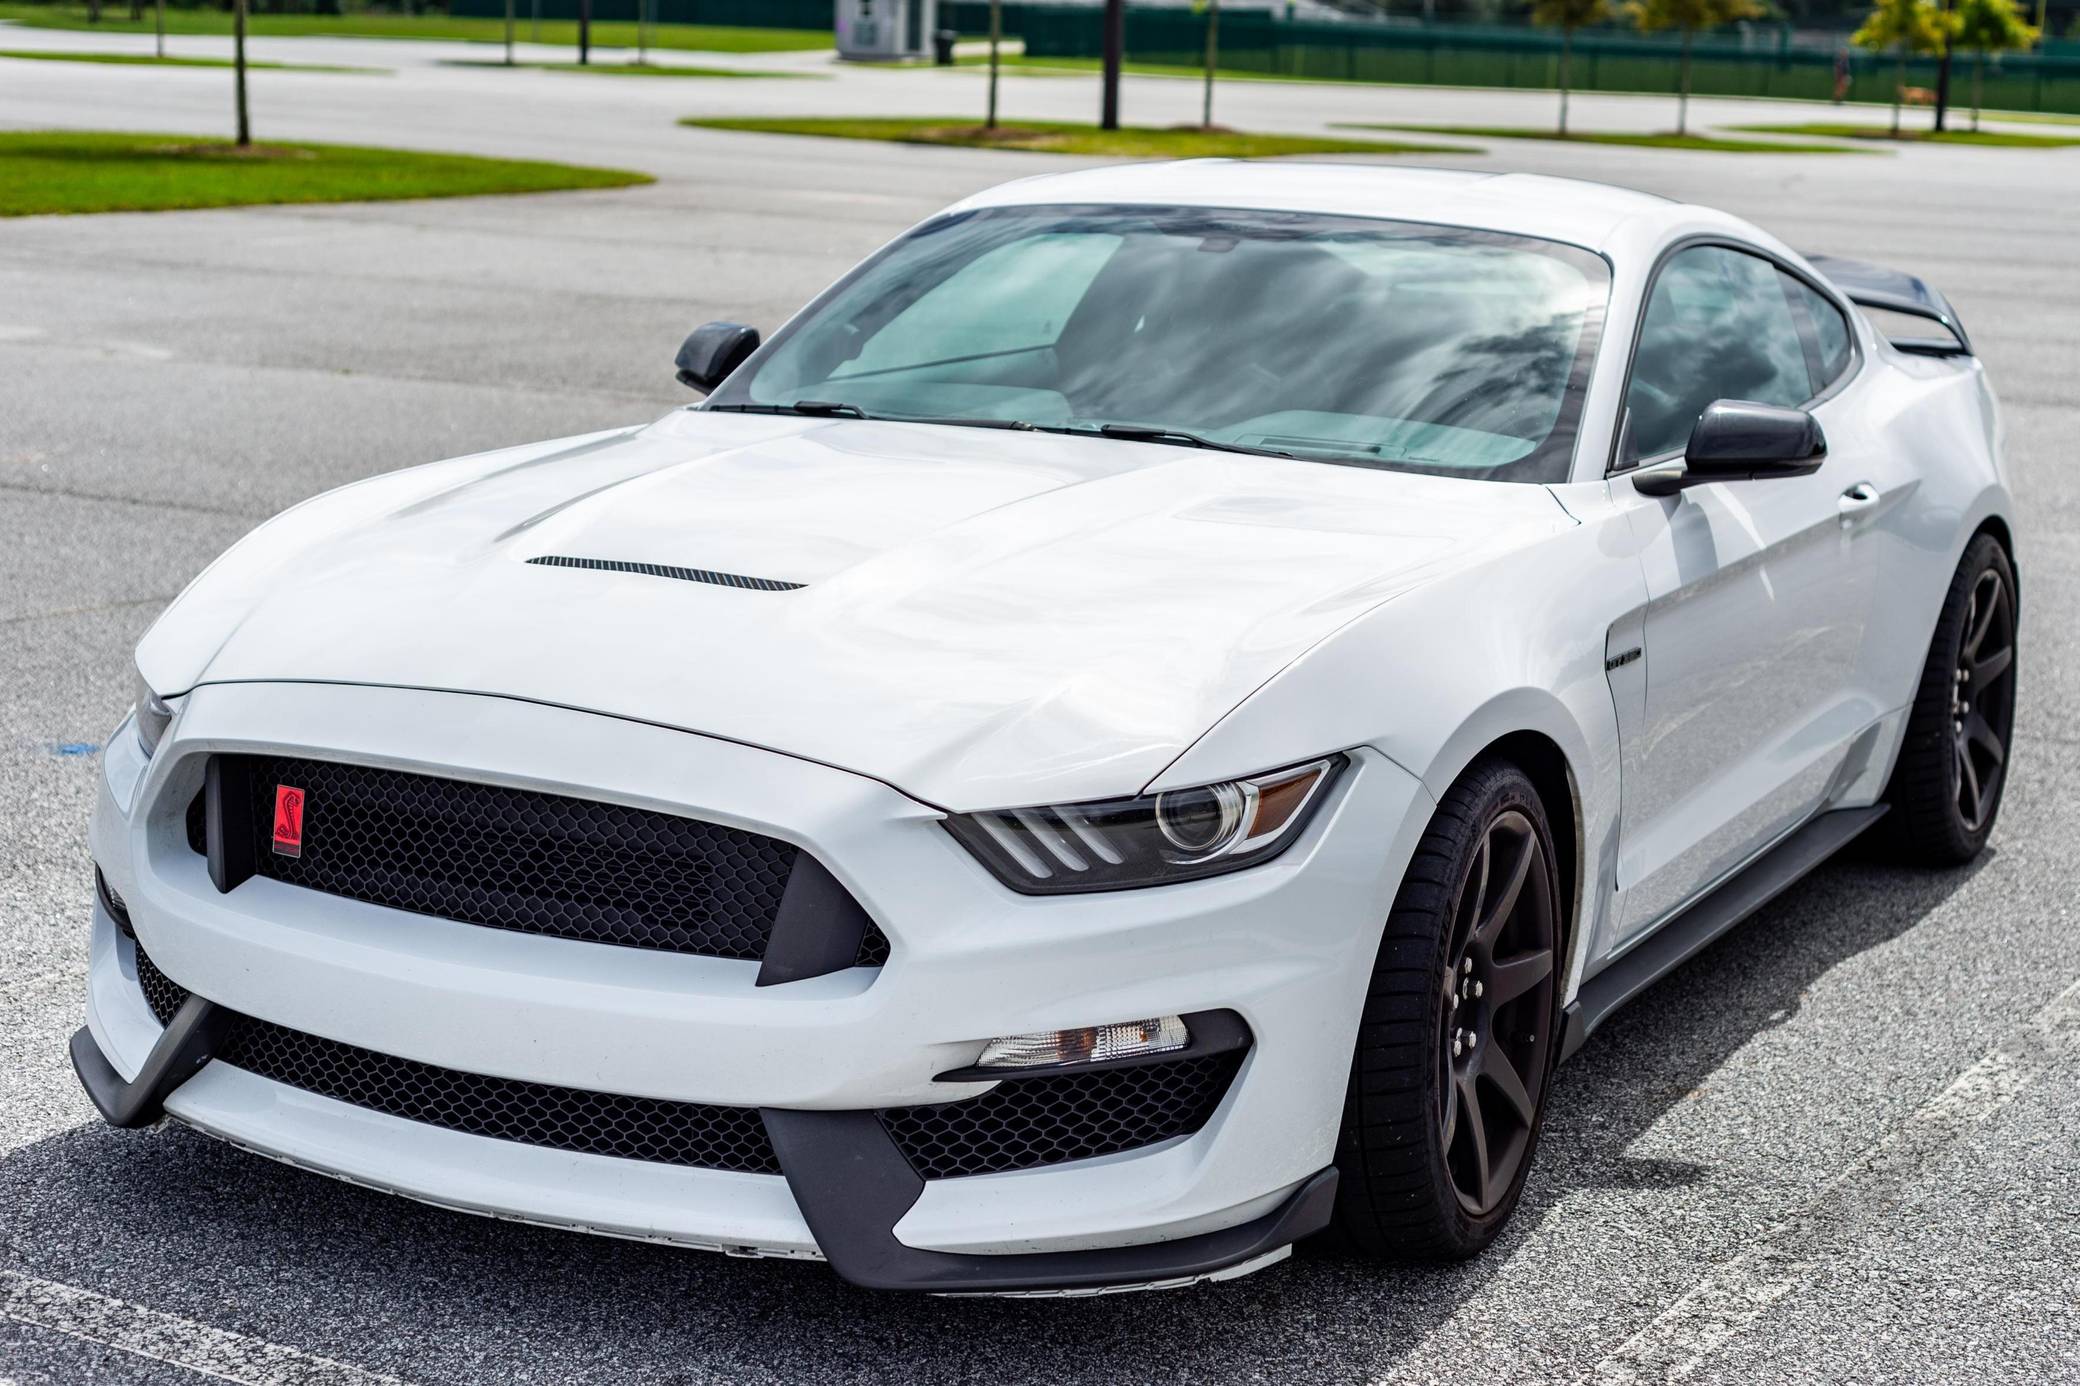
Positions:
{"x": 1563, "y": 209}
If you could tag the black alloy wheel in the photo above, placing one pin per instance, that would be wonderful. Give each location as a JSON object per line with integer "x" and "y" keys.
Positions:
{"x": 1498, "y": 1013}
{"x": 1456, "y": 1042}
{"x": 1959, "y": 744}
{"x": 1982, "y": 705}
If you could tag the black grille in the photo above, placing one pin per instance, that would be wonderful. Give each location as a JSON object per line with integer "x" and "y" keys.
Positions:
{"x": 665, "y": 570}
{"x": 522, "y": 860}
{"x": 1029, "y": 1122}
{"x": 634, "y": 1128}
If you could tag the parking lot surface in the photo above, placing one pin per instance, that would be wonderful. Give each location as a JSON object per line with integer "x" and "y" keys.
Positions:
{"x": 1843, "y": 1144}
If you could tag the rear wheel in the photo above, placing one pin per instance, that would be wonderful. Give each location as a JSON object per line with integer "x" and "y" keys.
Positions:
{"x": 1448, "y": 1084}
{"x": 1953, "y": 763}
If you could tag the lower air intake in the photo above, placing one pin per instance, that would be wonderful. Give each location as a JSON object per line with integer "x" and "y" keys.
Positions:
{"x": 595, "y": 1123}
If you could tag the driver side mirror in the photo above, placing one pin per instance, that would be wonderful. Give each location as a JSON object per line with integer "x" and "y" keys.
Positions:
{"x": 1738, "y": 440}
{"x": 712, "y": 352}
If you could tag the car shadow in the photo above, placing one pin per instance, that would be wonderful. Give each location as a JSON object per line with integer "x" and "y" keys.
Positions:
{"x": 187, "y": 1225}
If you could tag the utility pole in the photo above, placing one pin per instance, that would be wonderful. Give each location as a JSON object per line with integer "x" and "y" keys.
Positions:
{"x": 238, "y": 62}
{"x": 584, "y": 33}
{"x": 1115, "y": 48}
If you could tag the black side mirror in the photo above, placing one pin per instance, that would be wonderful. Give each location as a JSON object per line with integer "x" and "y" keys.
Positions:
{"x": 1738, "y": 440}
{"x": 712, "y": 352}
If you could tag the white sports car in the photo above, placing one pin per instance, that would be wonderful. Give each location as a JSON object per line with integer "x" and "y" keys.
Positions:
{"x": 1137, "y": 729}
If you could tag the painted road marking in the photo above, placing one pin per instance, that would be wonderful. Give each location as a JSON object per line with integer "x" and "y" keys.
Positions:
{"x": 169, "y": 1338}
{"x": 1741, "y": 1290}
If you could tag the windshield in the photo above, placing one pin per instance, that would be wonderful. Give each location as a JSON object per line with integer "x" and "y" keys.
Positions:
{"x": 1335, "y": 339}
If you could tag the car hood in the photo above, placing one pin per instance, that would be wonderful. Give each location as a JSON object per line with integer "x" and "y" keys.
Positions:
{"x": 984, "y": 618}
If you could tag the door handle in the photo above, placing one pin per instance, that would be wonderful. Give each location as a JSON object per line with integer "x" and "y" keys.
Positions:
{"x": 1857, "y": 499}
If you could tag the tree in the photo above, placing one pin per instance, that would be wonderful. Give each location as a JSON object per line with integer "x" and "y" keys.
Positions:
{"x": 1904, "y": 26}
{"x": 1213, "y": 53}
{"x": 996, "y": 37}
{"x": 1688, "y": 16}
{"x": 238, "y": 66}
{"x": 1568, "y": 16}
{"x": 1115, "y": 22}
{"x": 1990, "y": 26}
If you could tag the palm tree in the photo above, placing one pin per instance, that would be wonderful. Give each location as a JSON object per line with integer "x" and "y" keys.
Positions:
{"x": 1688, "y": 16}
{"x": 1568, "y": 16}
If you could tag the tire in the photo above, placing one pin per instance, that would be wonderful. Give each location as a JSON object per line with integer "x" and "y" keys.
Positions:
{"x": 1407, "y": 1153}
{"x": 1946, "y": 787}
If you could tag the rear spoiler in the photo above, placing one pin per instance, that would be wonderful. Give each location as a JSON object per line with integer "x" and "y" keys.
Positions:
{"x": 1895, "y": 291}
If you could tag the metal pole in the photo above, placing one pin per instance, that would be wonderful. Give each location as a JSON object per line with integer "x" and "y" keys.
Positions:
{"x": 238, "y": 62}
{"x": 159, "y": 18}
{"x": 509, "y": 31}
{"x": 584, "y": 33}
{"x": 1115, "y": 48}
{"x": 1213, "y": 49}
{"x": 534, "y": 22}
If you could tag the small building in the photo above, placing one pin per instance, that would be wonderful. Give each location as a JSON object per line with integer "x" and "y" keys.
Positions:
{"x": 886, "y": 30}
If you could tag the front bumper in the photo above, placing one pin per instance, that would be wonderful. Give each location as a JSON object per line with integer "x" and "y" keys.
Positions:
{"x": 1287, "y": 946}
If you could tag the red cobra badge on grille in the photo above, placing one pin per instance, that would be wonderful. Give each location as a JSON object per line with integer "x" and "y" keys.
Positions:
{"x": 288, "y": 821}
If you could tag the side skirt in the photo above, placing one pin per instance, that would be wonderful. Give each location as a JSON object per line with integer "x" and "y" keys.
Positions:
{"x": 1683, "y": 937}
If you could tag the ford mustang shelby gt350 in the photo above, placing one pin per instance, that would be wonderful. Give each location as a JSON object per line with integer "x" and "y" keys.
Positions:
{"x": 1136, "y": 729}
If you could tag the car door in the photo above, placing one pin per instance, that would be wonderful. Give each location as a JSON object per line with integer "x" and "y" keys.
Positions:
{"x": 1758, "y": 599}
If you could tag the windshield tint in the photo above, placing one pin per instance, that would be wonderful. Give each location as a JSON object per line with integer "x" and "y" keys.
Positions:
{"x": 1334, "y": 339}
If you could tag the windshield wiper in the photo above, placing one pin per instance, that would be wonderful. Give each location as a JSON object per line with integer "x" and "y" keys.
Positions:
{"x": 1149, "y": 433}
{"x": 814, "y": 408}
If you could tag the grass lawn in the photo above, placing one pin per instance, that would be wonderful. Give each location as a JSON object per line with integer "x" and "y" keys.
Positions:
{"x": 2026, "y": 117}
{"x": 65, "y": 171}
{"x": 1666, "y": 141}
{"x": 713, "y": 38}
{"x": 2002, "y": 139}
{"x": 630, "y": 69}
{"x": 1183, "y": 142}
{"x": 148, "y": 60}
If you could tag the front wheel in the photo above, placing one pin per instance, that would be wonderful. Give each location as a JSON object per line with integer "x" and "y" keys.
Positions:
{"x": 1456, "y": 1043}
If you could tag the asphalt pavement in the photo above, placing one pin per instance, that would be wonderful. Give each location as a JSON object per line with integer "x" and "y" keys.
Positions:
{"x": 1841, "y": 1145}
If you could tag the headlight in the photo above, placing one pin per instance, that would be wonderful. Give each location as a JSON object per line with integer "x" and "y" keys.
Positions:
{"x": 1150, "y": 839}
{"x": 152, "y": 715}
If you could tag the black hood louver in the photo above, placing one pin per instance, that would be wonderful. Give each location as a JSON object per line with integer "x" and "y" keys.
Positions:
{"x": 615, "y": 565}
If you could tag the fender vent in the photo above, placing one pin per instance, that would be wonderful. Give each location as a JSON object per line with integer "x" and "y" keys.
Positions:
{"x": 615, "y": 565}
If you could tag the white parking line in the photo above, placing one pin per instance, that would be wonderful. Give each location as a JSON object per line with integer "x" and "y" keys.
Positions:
{"x": 169, "y": 1338}
{"x": 1742, "y": 1289}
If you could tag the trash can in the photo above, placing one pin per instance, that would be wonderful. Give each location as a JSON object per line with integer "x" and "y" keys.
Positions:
{"x": 942, "y": 46}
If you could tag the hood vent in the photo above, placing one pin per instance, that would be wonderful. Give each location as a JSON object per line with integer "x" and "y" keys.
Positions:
{"x": 615, "y": 565}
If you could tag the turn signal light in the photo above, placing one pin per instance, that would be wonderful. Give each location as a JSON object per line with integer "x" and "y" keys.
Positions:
{"x": 1091, "y": 1044}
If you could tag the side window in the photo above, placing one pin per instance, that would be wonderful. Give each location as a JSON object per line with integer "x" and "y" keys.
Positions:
{"x": 1013, "y": 298}
{"x": 1718, "y": 326}
{"x": 1830, "y": 329}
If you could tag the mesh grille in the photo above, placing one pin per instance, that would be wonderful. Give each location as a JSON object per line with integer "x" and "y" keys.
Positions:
{"x": 1044, "y": 1121}
{"x": 161, "y": 992}
{"x": 666, "y": 570}
{"x": 634, "y": 1128}
{"x": 517, "y": 859}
